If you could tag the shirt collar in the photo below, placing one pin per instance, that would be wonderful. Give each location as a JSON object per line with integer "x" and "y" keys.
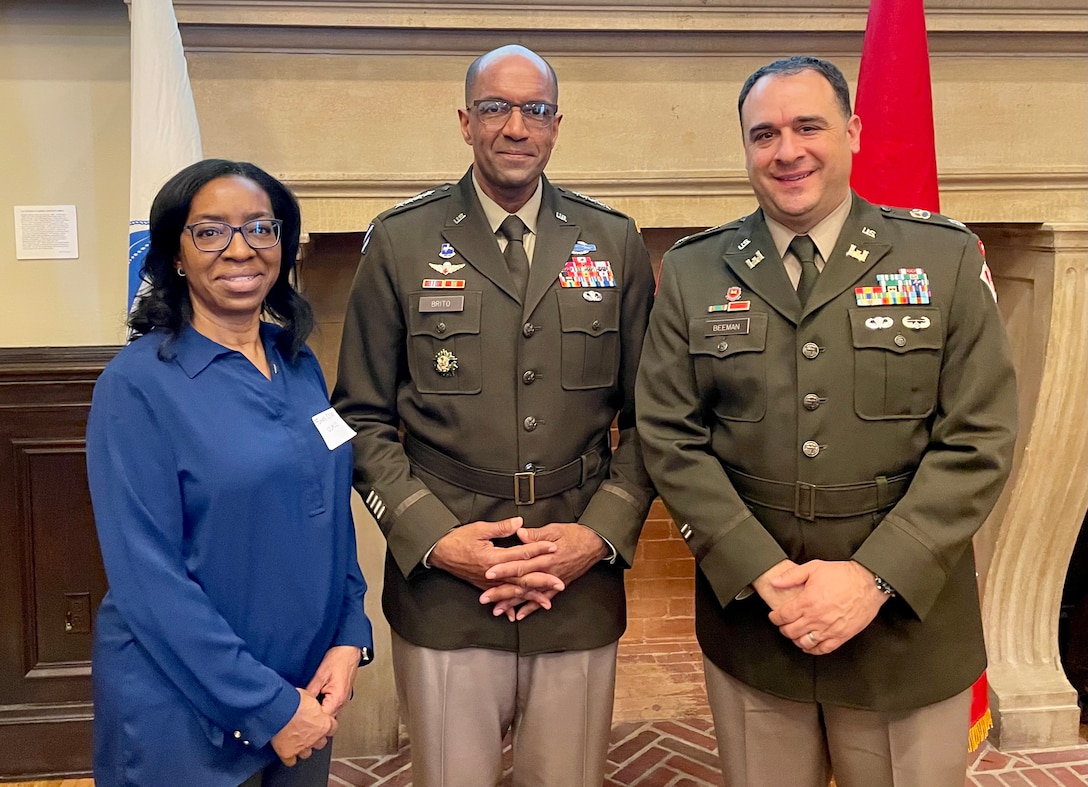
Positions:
{"x": 195, "y": 352}
{"x": 825, "y": 234}
{"x": 496, "y": 214}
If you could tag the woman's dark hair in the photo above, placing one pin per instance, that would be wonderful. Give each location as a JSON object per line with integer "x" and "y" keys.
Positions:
{"x": 166, "y": 306}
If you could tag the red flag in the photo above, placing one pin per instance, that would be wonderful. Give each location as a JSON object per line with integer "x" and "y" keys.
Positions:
{"x": 897, "y": 163}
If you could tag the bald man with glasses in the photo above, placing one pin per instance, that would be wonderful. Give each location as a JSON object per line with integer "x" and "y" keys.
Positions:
{"x": 499, "y": 321}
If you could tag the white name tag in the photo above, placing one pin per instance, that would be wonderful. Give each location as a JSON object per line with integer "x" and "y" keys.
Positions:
{"x": 334, "y": 430}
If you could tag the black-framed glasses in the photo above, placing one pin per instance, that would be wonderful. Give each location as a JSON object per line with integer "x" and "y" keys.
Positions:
{"x": 496, "y": 110}
{"x": 217, "y": 235}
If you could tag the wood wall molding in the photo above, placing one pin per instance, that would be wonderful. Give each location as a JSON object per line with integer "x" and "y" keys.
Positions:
{"x": 48, "y": 552}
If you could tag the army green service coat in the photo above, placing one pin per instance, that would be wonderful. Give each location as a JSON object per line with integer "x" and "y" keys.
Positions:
{"x": 915, "y": 403}
{"x": 535, "y": 384}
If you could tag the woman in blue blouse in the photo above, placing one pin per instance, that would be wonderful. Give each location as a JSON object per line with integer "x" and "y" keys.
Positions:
{"x": 221, "y": 480}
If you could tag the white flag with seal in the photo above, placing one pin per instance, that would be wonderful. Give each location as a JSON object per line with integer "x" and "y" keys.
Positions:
{"x": 165, "y": 132}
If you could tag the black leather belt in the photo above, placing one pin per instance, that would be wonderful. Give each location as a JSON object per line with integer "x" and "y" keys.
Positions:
{"x": 523, "y": 488}
{"x": 809, "y": 501}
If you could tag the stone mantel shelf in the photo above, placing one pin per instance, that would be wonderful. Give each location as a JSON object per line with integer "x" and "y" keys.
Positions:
{"x": 346, "y": 202}
{"x": 601, "y": 16}
{"x": 671, "y": 183}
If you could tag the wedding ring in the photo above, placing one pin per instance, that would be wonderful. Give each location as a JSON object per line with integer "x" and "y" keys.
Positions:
{"x": 812, "y": 638}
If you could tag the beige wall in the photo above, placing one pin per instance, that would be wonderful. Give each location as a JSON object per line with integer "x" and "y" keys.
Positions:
{"x": 367, "y": 93}
{"x": 64, "y": 140}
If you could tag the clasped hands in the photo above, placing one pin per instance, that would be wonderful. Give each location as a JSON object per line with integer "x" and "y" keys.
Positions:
{"x": 820, "y": 604}
{"x": 315, "y": 722}
{"x": 520, "y": 579}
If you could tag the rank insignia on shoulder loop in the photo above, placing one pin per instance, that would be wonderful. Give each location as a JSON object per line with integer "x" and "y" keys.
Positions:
{"x": 858, "y": 254}
{"x": 871, "y": 233}
{"x": 441, "y": 284}
{"x": 446, "y": 268}
{"x": 446, "y": 252}
{"x": 581, "y": 247}
{"x": 754, "y": 260}
{"x": 445, "y": 363}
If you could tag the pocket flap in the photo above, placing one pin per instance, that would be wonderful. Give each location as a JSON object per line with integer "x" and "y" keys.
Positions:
{"x": 897, "y": 330}
{"x": 426, "y": 317}
{"x": 590, "y": 316}
{"x": 722, "y": 336}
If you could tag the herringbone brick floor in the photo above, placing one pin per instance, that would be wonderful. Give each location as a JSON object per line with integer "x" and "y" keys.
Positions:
{"x": 682, "y": 753}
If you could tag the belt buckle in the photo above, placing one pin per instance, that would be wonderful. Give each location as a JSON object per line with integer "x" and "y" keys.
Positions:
{"x": 804, "y": 501}
{"x": 530, "y": 478}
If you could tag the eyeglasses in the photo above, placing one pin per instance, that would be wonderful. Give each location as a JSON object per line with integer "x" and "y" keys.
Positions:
{"x": 495, "y": 111}
{"x": 217, "y": 235}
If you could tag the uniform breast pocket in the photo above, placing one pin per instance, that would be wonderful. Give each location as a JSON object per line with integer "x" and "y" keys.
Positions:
{"x": 444, "y": 353}
{"x": 897, "y": 362}
{"x": 728, "y": 354}
{"x": 590, "y": 327}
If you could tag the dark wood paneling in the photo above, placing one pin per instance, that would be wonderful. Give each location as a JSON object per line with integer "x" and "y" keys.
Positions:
{"x": 51, "y": 576}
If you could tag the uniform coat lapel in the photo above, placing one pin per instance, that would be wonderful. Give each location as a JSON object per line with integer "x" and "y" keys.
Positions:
{"x": 753, "y": 259}
{"x": 555, "y": 239}
{"x": 855, "y": 254}
{"x": 469, "y": 233}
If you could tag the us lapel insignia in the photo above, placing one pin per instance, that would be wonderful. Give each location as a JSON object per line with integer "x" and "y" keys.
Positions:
{"x": 561, "y": 216}
{"x": 459, "y": 218}
{"x": 868, "y": 232}
{"x": 744, "y": 244}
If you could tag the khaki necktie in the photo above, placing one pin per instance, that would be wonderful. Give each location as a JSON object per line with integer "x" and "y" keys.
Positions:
{"x": 805, "y": 250}
{"x": 513, "y": 228}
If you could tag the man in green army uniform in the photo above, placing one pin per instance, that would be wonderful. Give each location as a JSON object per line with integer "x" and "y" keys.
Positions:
{"x": 499, "y": 321}
{"x": 827, "y": 408}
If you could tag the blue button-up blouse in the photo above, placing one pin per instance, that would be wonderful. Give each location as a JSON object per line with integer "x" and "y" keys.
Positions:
{"x": 226, "y": 532}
